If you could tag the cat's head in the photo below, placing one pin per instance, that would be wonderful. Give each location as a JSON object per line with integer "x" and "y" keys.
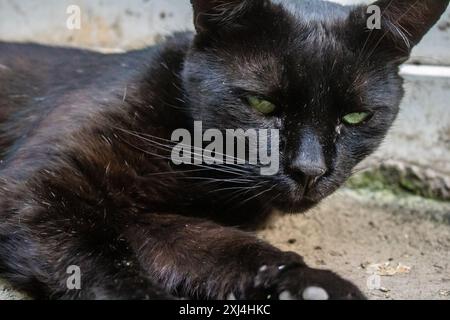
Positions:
{"x": 311, "y": 69}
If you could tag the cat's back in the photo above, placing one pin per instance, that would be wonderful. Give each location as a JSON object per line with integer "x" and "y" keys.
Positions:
{"x": 56, "y": 102}
{"x": 31, "y": 73}
{"x": 48, "y": 91}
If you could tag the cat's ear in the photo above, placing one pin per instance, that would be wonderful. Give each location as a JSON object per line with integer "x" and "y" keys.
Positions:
{"x": 212, "y": 15}
{"x": 402, "y": 24}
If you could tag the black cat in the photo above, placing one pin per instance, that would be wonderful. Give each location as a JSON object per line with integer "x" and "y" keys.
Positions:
{"x": 86, "y": 175}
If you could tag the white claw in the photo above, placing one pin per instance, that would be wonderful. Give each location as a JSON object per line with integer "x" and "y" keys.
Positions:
{"x": 263, "y": 268}
{"x": 231, "y": 296}
{"x": 315, "y": 293}
{"x": 286, "y": 295}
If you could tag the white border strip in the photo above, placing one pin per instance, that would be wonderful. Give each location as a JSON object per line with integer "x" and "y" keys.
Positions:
{"x": 425, "y": 71}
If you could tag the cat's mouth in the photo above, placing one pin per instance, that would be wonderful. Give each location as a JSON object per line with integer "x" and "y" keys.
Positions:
{"x": 297, "y": 197}
{"x": 296, "y": 206}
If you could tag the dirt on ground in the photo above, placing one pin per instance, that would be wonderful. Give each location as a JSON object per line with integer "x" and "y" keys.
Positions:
{"x": 391, "y": 247}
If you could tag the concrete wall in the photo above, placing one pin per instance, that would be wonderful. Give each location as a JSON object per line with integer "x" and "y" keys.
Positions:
{"x": 421, "y": 134}
{"x": 135, "y": 23}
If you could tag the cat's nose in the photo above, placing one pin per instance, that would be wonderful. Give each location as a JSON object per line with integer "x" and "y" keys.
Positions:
{"x": 309, "y": 162}
{"x": 309, "y": 169}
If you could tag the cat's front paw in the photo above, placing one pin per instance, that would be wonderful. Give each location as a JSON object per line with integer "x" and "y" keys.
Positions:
{"x": 299, "y": 282}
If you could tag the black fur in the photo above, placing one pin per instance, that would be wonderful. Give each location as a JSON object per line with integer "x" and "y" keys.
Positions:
{"x": 85, "y": 177}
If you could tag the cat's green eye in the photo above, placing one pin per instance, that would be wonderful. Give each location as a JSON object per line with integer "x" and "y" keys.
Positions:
{"x": 356, "y": 118}
{"x": 261, "y": 105}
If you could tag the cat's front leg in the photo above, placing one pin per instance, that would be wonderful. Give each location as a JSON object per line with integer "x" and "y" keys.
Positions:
{"x": 201, "y": 260}
{"x": 65, "y": 259}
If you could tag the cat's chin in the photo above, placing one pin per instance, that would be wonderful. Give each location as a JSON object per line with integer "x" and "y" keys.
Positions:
{"x": 295, "y": 199}
{"x": 295, "y": 206}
